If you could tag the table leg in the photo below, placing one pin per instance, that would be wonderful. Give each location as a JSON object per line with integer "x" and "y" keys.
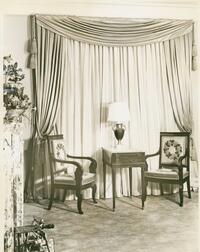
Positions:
{"x": 113, "y": 187}
{"x": 143, "y": 186}
{"x": 18, "y": 242}
{"x": 104, "y": 180}
{"x": 130, "y": 180}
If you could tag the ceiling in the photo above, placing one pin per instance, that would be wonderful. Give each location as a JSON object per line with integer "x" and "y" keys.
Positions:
{"x": 118, "y": 2}
{"x": 59, "y": 6}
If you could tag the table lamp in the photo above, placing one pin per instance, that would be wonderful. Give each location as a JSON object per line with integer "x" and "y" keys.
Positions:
{"x": 118, "y": 113}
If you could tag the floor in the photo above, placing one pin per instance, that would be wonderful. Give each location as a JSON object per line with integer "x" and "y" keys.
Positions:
{"x": 161, "y": 226}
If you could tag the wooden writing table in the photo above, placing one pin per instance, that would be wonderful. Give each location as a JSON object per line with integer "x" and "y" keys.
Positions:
{"x": 123, "y": 158}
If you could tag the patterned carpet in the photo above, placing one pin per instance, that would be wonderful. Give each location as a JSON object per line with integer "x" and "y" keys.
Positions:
{"x": 161, "y": 226}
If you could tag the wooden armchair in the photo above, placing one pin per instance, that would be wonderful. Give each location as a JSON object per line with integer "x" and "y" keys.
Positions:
{"x": 174, "y": 162}
{"x": 60, "y": 176}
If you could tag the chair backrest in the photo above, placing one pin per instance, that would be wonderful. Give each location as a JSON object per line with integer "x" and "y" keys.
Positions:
{"x": 173, "y": 145}
{"x": 56, "y": 150}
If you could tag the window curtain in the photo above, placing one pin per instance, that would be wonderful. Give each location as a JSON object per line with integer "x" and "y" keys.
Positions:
{"x": 115, "y": 31}
{"x": 47, "y": 62}
{"x": 137, "y": 75}
{"x": 106, "y": 60}
{"x": 179, "y": 80}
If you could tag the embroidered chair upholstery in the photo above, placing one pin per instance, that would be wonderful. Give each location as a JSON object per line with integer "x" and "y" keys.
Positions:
{"x": 68, "y": 174}
{"x": 174, "y": 163}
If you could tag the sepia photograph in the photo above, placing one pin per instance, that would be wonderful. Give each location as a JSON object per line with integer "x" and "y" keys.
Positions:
{"x": 100, "y": 125}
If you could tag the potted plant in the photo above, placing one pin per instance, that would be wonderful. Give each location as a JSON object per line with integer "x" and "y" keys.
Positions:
{"x": 15, "y": 101}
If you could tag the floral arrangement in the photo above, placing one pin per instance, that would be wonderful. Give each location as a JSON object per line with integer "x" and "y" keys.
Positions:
{"x": 14, "y": 97}
{"x": 11, "y": 71}
{"x": 14, "y": 101}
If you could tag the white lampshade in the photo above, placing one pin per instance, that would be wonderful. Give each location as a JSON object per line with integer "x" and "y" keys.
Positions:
{"x": 118, "y": 112}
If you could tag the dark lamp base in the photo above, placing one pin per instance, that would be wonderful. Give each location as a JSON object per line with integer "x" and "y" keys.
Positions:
{"x": 119, "y": 130}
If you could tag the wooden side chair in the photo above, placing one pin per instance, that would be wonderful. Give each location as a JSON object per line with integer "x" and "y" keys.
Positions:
{"x": 61, "y": 178}
{"x": 174, "y": 162}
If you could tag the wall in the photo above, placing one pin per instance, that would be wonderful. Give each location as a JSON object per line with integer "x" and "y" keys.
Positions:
{"x": 14, "y": 21}
{"x": 131, "y": 8}
{"x": 16, "y": 43}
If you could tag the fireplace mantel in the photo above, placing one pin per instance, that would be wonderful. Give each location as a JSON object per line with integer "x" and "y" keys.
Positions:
{"x": 13, "y": 164}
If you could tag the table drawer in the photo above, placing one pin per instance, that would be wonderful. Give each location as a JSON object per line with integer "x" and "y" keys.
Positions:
{"x": 123, "y": 158}
{"x": 127, "y": 158}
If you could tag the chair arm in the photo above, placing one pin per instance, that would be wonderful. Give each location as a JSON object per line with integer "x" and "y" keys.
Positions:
{"x": 181, "y": 159}
{"x": 93, "y": 163}
{"x": 152, "y": 155}
{"x": 61, "y": 170}
{"x": 67, "y": 162}
{"x": 149, "y": 156}
{"x": 179, "y": 164}
{"x": 79, "y": 170}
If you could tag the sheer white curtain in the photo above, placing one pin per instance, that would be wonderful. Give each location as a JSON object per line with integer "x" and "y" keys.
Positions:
{"x": 96, "y": 75}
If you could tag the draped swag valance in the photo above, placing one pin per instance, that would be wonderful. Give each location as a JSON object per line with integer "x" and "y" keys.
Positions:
{"x": 110, "y": 31}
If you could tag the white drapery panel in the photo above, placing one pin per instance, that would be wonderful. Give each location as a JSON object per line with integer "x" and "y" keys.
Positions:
{"x": 96, "y": 75}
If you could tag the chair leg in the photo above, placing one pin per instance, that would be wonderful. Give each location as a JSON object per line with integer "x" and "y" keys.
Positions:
{"x": 181, "y": 194}
{"x": 188, "y": 188}
{"x": 79, "y": 201}
{"x": 64, "y": 195}
{"x": 145, "y": 189}
{"x": 51, "y": 198}
{"x": 161, "y": 189}
{"x": 94, "y": 189}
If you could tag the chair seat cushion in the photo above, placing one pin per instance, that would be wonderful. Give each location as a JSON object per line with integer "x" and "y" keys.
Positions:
{"x": 69, "y": 179}
{"x": 164, "y": 173}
